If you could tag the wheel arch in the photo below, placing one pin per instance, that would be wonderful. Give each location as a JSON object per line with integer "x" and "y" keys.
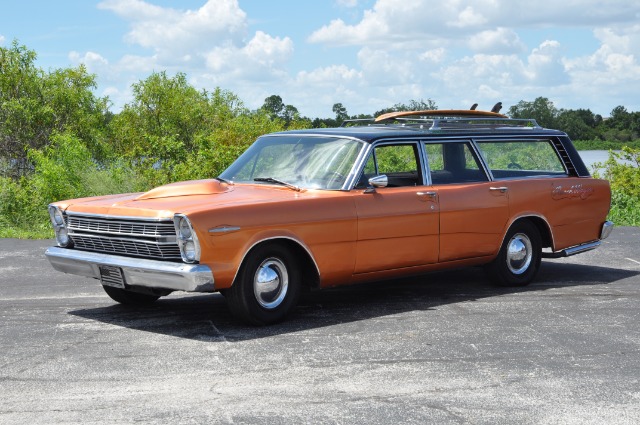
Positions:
{"x": 541, "y": 224}
{"x": 309, "y": 266}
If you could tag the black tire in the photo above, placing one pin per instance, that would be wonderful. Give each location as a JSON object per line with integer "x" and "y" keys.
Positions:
{"x": 267, "y": 286}
{"x": 128, "y": 297}
{"x": 518, "y": 261}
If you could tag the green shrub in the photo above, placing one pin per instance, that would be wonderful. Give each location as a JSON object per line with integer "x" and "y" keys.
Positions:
{"x": 625, "y": 185}
{"x": 625, "y": 209}
{"x": 596, "y": 144}
{"x": 63, "y": 170}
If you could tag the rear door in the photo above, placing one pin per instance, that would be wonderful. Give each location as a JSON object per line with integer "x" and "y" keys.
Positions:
{"x": 473, "y": 211}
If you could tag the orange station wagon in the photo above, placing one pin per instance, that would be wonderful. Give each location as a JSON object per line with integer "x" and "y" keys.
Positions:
{"x": 404, "y": 194}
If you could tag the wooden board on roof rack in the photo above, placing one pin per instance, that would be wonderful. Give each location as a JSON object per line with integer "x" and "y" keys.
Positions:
{"x": 466, "y": 113}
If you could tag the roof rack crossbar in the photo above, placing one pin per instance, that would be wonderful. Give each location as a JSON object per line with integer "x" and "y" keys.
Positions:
{"x": 356, "y": 121}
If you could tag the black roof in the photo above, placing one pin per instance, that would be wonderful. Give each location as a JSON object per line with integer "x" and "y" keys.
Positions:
{"x": 371, "y": 133}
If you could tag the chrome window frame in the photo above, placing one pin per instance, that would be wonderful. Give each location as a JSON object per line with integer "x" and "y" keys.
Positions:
{"x": 352, "y": 175}
{"x": 370, "y": 150}
{"x": 518, "y": 139}
{"x": 468, "y": 142}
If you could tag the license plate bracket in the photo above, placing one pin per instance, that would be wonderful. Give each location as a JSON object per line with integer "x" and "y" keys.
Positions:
{"x": 112, "y": 276}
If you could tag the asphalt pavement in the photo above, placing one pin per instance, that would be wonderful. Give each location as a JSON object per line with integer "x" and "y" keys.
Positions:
{"x": 442, "y": 348}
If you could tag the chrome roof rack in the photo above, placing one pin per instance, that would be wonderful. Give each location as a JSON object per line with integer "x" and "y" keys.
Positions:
{"x": 448, "y": 119}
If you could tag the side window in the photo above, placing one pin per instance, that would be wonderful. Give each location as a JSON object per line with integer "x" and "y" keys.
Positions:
{"x": 453, "y": 162}
{"x": 523, "y": 158}
{"x": 399, "y": 162}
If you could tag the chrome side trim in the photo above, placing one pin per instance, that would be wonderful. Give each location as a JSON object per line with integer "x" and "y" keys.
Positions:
{"x": 138, "y": 272}
{"x": 224, "y": 229}
{"x": 607, "y": 227}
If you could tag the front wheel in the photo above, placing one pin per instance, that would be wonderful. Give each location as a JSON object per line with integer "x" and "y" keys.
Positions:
{"x": 267, "y": 286}
{"x": 519, "y": 258}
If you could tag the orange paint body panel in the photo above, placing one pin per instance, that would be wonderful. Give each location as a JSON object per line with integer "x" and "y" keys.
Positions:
{"x": 574, "y": 208}
{"x": 354, "y": 236}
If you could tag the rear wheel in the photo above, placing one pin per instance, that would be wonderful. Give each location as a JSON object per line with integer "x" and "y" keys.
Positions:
{"x": 519, "y": 258}
{"x": 267, "y": 286}
{"x": 128, "y": 297}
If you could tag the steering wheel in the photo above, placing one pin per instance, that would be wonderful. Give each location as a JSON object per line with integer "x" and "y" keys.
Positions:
{"x": 514, "y": 166}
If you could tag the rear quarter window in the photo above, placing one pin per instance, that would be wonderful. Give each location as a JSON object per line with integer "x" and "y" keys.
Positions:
{"x": 521, "y": 158}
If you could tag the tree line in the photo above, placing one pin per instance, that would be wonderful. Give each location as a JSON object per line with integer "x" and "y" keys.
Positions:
{"x": 168, "y": 119}
{"x": 59, "y": 140}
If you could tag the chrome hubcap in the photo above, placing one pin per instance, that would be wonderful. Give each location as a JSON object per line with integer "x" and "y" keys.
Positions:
{"x": 270, "y": 283}
{"x": 519, "y": 253}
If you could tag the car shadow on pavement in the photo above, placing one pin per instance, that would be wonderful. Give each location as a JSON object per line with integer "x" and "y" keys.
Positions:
{"x": 207, "y": 318}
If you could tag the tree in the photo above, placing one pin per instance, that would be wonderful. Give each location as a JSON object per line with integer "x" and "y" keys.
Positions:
{"x": 290, "y": 113}
{"x": 341, "y": 113}
{"x": 276, "y": 109}
{"x": 34, "y": 105}
{"x": 413, "y": 105}
{"x": 273, "y": 105}
{"x": 541, "y": 109}
{"x": 167, "y": 118}
{"x": 578, "y": 124}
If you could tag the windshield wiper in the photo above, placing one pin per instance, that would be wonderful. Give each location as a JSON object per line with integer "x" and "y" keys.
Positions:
{"x": 221, "y": 180}
{"x": 276, "y": 181}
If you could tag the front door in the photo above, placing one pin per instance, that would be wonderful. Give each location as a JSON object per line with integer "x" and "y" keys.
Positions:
{"x": 398, "y": 225}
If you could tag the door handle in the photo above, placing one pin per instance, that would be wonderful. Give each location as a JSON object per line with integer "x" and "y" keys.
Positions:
{"x": 502, "y": 189}
{"x": 427, "y": 194}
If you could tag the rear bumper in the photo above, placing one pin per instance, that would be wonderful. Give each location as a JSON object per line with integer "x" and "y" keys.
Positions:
{"x": 136, "y": 271}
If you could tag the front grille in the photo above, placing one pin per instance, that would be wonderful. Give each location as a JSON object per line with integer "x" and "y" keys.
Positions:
{"x": 119, "y": 227}
{"x": 131, "y": 238}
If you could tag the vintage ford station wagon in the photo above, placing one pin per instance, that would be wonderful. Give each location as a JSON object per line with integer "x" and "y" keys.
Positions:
{"x": 403, "y": 194}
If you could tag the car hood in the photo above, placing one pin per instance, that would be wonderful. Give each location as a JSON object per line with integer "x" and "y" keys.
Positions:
{"x": 182, "y": 197}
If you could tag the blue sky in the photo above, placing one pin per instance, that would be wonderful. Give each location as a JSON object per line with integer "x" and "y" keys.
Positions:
{"x": 365, "y": 54}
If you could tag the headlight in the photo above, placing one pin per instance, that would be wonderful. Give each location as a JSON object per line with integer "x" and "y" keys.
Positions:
{"x": 56, "y": 216}
{"x": 184, "y": 228}
{"x": 187, "y": 239}
{"x": 190, "y": 251}
{"x": 62, "y": 236}
{"x": 59, "y": 226}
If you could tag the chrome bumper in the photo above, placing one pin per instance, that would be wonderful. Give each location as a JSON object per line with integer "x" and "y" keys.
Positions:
{"x": 607, "y": 227}
{"x": 136, "y": 271}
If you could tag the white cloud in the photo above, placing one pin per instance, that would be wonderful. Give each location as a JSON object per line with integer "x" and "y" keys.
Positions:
{"x": 614, "y": 64}
{"x": 381, "y": 67}
{"x": 94, "y": 62}
{"x": 399, "y": 20}
{"x": 545, "y": 67}
{"x": 2, "y": 39}
{"x": 135, "y": 63}
{"x": 333, "y": 75}
{"x": 170, "y": 30}
{"x": 260, "y": 58}
{"x": 469, "y": 17}
{"x": 456, "y": 53}
{"x": 433, "y": 55}
{"x": 500, "y": 40}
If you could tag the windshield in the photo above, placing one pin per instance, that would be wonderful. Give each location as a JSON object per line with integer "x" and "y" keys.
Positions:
{"x": 302, "y": 161}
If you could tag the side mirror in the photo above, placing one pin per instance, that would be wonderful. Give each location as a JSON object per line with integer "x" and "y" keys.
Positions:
{"x": 377, "y": 181}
